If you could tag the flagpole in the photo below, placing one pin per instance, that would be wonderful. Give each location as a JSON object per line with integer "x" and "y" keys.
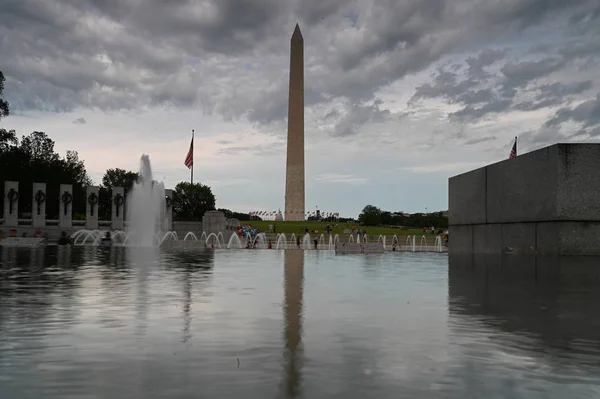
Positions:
{"x": 192, "y": 168}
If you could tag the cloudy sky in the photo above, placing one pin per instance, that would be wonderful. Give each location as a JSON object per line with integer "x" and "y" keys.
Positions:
{"x": 400, "y": 94}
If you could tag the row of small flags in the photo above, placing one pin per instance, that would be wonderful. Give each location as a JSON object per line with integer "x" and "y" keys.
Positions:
{"x": 314, "y": 213}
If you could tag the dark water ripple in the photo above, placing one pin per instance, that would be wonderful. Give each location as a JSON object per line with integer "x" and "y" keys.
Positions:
{"x": 116, "y": 323}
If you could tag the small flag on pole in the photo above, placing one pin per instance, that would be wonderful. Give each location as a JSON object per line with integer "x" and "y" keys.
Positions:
{"x": 189, "y": 159}
{"x": 513, "y": 152}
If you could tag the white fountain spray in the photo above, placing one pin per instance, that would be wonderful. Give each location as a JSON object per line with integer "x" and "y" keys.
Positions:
{"x": 145, "y": 207}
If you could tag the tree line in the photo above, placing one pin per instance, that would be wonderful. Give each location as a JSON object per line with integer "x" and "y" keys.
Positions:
{"x": 373, "y": 216}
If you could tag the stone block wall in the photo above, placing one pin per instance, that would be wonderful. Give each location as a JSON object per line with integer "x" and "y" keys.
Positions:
{"x": 183, "y": 228}
{"x": 212, "y": 222}
{"x": 543, "y": 202}
{"x": 232, "y": 224}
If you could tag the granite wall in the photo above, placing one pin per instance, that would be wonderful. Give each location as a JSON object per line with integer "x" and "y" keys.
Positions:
{"x": 212, "y": 222}
{"x": 544, "y": 202}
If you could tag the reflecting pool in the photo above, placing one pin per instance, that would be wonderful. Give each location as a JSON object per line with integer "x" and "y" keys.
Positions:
{"x": 100, "y": 322}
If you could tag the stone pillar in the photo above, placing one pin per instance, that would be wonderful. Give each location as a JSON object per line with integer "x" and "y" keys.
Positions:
{"x": 65, "y": 218}
{"x": 213, "y": 222}
{"x": 11, "y": 203}
{"x": 91, "y": 207}
{"x": 38, "y": 206}
{"x": 168, "y": 224}
{"x": 117, "y": 208}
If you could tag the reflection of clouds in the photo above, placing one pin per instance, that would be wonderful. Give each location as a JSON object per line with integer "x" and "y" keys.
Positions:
{"x": 195, "y": 269}
{"x": 37, "y": 310}
{"x": 377, "y": 324}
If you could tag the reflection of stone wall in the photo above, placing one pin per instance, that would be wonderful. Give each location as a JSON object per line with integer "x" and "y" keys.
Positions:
{"x": 544, "y": 201}
{"x": 551, "y": 298}
{"x": 22, "y": 242}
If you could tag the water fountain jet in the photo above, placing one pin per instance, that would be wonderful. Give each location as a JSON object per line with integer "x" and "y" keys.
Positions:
{"x": 145, "y": 207}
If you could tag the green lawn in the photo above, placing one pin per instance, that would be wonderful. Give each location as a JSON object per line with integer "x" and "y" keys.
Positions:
{"x": 298, "y": 227}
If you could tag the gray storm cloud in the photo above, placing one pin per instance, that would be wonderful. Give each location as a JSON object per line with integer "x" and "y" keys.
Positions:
{"x": 230, "y": 56}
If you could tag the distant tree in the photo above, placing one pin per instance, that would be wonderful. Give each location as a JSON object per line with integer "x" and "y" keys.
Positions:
{"x": 75, "y": 167}
{"x": 240, "y": 215}
{"x": 370, "y": 216}
{"x": 228, "y": 214}
{"x": 4, "y": 109}
{"x": 191, "y": 201}
{"x": 119, "y": 178}
{"x": 385, "y": 218}
{"x": 8, "y": 138}
{"x": 39, "y": 148}
{"x": 113, "y": 178}
{"x": 235, "y": 215}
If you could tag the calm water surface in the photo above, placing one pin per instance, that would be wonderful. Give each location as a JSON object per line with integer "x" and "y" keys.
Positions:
{"x": 119, "y": 323}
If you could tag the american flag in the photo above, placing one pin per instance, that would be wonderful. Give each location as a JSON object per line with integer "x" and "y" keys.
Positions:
{"x": 513, "y": 152}
{"x": 189, "y": 159}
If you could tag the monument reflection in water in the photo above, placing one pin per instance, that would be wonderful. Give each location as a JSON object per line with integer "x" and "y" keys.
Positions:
{"x": 293, "y": 292}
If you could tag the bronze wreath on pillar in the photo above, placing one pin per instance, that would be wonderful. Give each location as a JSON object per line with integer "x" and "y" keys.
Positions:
{"x": 40, "y": 198}
{"x": 118, "y": 200}
{"x": 13, "y": 196}
{"x": 93, "y": 200}
{"x": 66, "y": 198}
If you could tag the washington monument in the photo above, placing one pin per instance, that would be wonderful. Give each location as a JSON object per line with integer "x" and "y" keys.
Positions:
{"x": 294, "y": 172}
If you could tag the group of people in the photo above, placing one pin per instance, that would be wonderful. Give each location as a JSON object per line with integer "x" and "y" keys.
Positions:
{"x": 440, "y": 232}
{"x": 431, "y": 230}
{"x": 242, "y": 231}
{"x": 359, "y": 232}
